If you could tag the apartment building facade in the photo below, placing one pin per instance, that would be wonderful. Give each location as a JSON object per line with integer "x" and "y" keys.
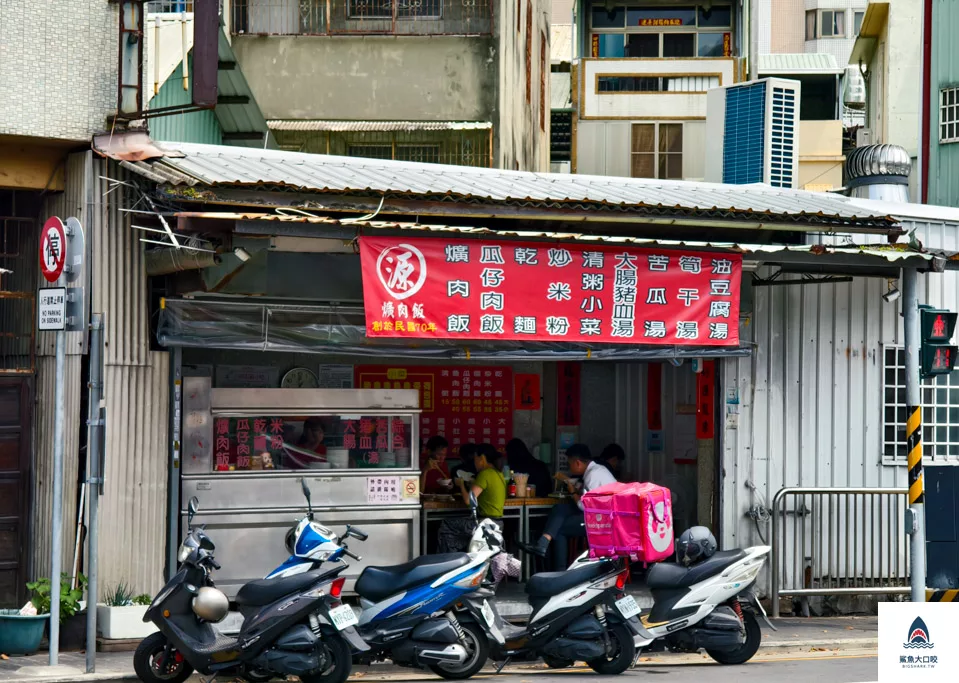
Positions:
{"x": 639, "y": 82}
{"x": 442, "y": 81}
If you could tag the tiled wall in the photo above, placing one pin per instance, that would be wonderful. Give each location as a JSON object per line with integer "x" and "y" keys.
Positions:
{"x": 58, "y": 65}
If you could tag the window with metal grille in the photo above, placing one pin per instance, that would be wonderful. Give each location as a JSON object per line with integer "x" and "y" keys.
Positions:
{"x": 361, "y": 17}
{"x": 940, "y": 412}
{"x": 949, "y": 115}
{"x": 560, "y": 135}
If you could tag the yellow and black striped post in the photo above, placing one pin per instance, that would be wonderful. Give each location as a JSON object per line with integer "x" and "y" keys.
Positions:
{"x": 914, "y": 454}
{"x": 942, "y": 596}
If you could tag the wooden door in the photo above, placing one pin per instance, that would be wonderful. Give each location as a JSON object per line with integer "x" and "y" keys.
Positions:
{"x": 15, "y": 418}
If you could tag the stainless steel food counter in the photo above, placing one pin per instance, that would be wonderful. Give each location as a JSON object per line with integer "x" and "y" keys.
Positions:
{"x": 240, "y": 446}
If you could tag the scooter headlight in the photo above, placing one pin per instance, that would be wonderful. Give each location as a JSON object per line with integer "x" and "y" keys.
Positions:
{"x": 184, "y": 553}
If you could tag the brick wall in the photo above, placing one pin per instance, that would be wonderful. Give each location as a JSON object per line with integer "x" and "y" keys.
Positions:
{"x": 58, "y": 65}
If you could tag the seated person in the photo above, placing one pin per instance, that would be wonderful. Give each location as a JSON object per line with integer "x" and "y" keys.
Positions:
{"x": 613, "y": 457}
{"x": 566, "y": 518}
{"x": 435, "y": 477}
{"x": 466, "y": 453}
{"x": 488, "y": 485}
{"x": 521, "y": 460}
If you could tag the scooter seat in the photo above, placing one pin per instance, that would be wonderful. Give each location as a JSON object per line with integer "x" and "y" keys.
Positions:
{"x": 379, "y": 583}
{"x": 669, "y": 575}
{"x": 266, "y": 591}
{"x": 548, "y": 584}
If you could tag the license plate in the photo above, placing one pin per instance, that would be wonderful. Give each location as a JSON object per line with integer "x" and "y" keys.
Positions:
{"x": 627, "y": 607}
{"x": 343, "y": 617}
{"x": 488, "y": 614}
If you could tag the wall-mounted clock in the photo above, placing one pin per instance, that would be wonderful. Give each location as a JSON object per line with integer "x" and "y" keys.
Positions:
{"x": 299, "y": 378}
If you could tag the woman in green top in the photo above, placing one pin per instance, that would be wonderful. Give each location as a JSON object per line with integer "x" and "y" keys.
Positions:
{"x": 488, "y": 485}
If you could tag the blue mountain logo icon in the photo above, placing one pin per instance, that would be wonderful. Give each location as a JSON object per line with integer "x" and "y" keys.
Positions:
{"x": 918, "y": 635}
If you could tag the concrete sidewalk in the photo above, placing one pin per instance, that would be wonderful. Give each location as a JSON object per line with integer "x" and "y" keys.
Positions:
{"x": 795, "y": 633}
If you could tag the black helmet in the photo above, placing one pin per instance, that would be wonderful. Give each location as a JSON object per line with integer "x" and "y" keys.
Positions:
{"x": 696, "y": 544}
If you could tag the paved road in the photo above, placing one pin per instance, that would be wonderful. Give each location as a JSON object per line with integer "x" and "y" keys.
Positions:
{"x": 784, "y": 668}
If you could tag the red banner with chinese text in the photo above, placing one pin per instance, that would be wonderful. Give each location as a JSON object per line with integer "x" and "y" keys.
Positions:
{"x": 472, "y": 289}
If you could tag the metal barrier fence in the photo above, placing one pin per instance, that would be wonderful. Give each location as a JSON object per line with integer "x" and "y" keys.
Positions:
{"x": 362, "y": 17}
{"x": 839, "y": 541}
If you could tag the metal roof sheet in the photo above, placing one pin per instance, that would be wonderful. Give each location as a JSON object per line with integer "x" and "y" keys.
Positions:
{"x": 213, "y": 165}
{"x": 560, "y": 94}
{"x": 238, "y": 118}
{"x": 892, "y": 253}
{"x": 798, "y": 63}
{"x": 373, "y": 126}
{"x": 560, "y": 43}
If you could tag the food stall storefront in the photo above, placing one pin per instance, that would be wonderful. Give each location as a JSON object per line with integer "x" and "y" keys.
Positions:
{"x": 246, "y": 451}
{"x": 493, "y": 340}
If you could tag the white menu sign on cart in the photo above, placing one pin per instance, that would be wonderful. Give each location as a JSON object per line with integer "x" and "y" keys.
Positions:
{"x": 383, "y": 490}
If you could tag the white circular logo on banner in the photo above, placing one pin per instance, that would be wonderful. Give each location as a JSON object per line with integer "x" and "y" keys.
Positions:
{"x": 402, "y": 270}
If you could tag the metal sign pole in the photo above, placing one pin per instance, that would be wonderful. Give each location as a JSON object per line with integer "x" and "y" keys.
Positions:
{"x": 56, "y": 544}
{"x": 60, "y": 309}
{"x": 94, "y": 481}
{"x": 915, "y": 522}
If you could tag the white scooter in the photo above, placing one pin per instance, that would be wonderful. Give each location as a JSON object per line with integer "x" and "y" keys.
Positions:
{"x": 708, "y": 605}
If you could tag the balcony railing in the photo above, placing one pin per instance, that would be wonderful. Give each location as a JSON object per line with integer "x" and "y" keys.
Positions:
{"x": 456, "y": 147}
{"x": 362, "y": 17}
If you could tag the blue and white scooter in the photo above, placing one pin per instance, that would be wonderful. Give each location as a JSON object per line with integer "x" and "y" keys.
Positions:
{"x": 408, "y": 609}
{"x": 310, "y": 544}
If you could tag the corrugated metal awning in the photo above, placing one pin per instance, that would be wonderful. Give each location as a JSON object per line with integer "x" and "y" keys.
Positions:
{"x": 514, "y": 193}
{"x": 312, "y": 125}
{"x": 798, "y": 64}
{"x": 246, "y": 223}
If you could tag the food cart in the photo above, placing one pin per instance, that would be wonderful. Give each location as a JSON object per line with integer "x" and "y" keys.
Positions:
{"x": 246, "y": 450}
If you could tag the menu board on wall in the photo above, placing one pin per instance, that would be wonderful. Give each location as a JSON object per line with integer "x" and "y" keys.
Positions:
{"x": 470, "y": 404}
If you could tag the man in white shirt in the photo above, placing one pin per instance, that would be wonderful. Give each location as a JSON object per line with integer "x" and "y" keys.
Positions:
{"x": 566, "y": 519}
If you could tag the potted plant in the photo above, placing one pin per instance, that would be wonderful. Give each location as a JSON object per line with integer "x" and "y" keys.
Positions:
{"x": 73, "y": 622}
{"x": 22, "y": 630}
{"x": 120, "y": 617}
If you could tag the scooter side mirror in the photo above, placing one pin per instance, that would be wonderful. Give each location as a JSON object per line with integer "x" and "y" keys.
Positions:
{"x": 192, "y": 508}
{"x": 306, "y": 492}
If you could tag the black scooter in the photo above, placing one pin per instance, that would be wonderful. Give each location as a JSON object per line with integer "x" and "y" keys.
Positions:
{"x": 292, "y": 626}
{"x": 582, "y": 614}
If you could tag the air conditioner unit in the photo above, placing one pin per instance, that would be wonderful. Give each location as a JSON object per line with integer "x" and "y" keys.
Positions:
{"x": 752, "y": 133}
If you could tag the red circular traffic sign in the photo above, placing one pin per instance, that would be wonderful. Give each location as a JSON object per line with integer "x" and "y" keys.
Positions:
{"x": 53, "y": 249}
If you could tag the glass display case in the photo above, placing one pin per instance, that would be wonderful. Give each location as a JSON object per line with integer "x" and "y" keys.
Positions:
{"x": 246, "y": 450}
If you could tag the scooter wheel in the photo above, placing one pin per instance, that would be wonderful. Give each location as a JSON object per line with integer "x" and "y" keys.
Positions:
{"x": 477, "y": 647}
{"x": 557, "y": 663}
{"x": 746, "y": 651}
{"x": 624, "y": 649}
{"x": 340, "y": 665}
{"x": 153, "y": 662}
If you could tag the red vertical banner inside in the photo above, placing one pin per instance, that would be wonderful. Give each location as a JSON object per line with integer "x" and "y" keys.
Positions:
{"x": 527, "y": 392}
{"x": 568, "y": 394}
{"x": 654, "y": 397}
{"x": 706, "y": 401}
